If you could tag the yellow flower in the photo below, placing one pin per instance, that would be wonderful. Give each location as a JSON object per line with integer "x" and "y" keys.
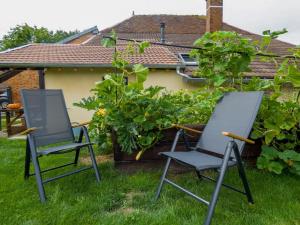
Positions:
{"x": 101, "y": 112}
{"x": 290, "y": 162}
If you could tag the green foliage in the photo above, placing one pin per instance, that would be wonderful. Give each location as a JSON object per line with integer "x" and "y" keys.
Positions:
{"x": 267, "y": 38}
{"x": 25, "y": 34}
{"x": 223, "y": 57}
{"x": 194, "y": 107}
{"x": 110, "y": 41}
{"x": 136, "y": 114}
{"x": 275, "y": 161}
{"x": 278, "y": 123}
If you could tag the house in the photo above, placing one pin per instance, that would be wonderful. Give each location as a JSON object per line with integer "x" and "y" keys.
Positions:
{"x": 26, "y": 78}
{"x": 76, "y": 63}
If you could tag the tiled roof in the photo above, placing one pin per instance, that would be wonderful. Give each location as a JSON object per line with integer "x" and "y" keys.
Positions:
{"x": 175, "y": 24}
{"x": 184, "y": 30}
{"x": 53, "y": 55}
{"x": 180, "y": 30}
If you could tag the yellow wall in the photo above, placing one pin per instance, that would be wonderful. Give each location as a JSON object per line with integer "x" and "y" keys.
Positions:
{"x": 76, "y": 84}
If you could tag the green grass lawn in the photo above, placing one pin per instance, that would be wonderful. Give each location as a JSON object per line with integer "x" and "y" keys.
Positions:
{"x": 123, "y": 198}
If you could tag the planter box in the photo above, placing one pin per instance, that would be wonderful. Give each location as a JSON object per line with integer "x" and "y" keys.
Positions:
{"x": 150, "y": 156}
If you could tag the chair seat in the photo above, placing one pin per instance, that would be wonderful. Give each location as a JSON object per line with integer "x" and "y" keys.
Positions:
{"x": 63, "y": 148}
{"x": 199, "y": 160}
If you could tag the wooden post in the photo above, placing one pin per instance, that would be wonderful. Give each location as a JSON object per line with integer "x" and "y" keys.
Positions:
{"x": 42, "y": 79}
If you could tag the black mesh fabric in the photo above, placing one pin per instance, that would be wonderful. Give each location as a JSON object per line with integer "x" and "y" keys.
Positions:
{"x": 199, "y": 160}
{"x": 46, "y": 110}
{"x": 236, "y": 113}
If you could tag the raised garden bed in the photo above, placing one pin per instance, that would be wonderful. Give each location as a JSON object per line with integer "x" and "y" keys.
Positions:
{"x": 152, "y": 158}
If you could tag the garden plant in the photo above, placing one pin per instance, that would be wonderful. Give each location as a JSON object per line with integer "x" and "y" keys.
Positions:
{"x": 138, "y": 114}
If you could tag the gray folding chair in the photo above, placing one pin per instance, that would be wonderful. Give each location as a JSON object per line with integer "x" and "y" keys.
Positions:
{"x": 219, "y": 146}
{"x": 50, "y": 132}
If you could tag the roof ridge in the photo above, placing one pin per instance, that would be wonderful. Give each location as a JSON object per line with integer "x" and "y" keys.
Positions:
{"x": 16, "y": 48}
{"x": 109, "y": 28}
{"x": 75, "y": 36}
{"x": 148, "y": 15}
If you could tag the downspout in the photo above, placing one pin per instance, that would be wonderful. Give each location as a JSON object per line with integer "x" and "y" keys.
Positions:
{"x": 188, "y": 78}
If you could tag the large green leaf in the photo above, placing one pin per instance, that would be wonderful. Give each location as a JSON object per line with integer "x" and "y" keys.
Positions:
{"x": 289, "y": 155}
{"x": 262, "y": 162}
{"x": 294, "y": 75}
{"x": 269, "y": 153}
{"x": 110, "y": 41}
{"x": 270, "y": 135}
{"x": 275, "y": 167}
{"x": 295, "y": 168}
{"x": 141, "y": 73}
{"x": 218, "y": 80}
{"x": 143, "y": 46}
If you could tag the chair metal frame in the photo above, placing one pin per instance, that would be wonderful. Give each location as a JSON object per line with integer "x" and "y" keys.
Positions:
{"x": 232, "y": 147}
{"x": 32, "y": 156}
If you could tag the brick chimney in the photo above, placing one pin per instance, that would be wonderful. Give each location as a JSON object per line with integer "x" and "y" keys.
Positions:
{"x": 214, "y": 15}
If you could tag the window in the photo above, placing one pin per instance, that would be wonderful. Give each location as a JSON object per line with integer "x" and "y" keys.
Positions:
{"x": 187, "y": 60}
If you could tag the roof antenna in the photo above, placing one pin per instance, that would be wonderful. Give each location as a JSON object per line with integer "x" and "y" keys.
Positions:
{"x": 133, "y": 13}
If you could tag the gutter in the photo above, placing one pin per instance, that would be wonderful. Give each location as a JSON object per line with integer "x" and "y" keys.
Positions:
{"x": 63, "y": 65}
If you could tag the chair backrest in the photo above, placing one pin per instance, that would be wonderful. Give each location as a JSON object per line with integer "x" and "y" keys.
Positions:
{"x": 46, "y": 110}
{"x": 235, "y": 112}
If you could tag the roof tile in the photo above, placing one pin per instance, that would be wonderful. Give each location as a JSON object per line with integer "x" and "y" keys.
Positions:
{"x": 82, "y": 55}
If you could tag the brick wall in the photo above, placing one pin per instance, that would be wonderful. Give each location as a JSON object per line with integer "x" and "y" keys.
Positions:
{"x": 214, "y": 15}
{"x": 25, "y": 80}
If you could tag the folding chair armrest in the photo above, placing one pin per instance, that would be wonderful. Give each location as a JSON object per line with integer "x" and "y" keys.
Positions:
{"x": 74, "y": 125}
{"x": 187, "y": 128}
{"x": 237, "y": 137}
{"x": 28, "y": 131}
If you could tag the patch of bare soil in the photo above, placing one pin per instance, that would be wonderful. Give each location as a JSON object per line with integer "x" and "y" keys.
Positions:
{"x": 127, "y": 209}
{"x": 100, "y": 159}
{"x": 2, "y": 134}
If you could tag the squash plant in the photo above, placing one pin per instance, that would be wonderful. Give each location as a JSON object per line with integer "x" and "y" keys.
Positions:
{"x": 224, "y": 58}
{"x": 137, "y": 115}
{"x": 279, "y": 123}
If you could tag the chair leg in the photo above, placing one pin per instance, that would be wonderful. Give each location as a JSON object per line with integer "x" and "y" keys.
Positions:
{"x": 37, "y": 171}
{"x": 199, "y": 175}
{"x": 218, "y": 186}
{"x": 92, "y": 155}
{"x": 242, "y": 175}
{"x": 78, "y": 150}
{"x": 162, "y": 180}
{"x": 27, "y": 160}
{"x": 245, "y": 183}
